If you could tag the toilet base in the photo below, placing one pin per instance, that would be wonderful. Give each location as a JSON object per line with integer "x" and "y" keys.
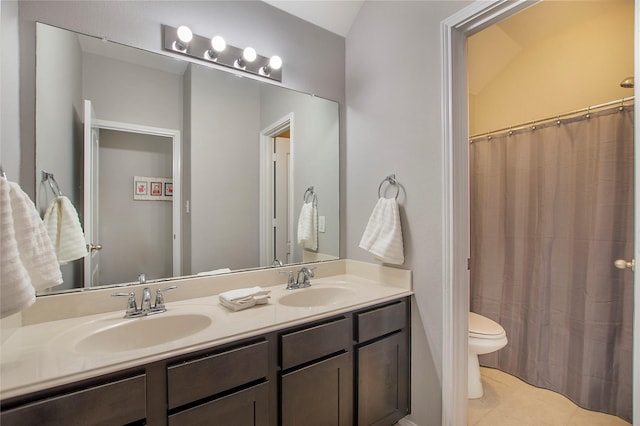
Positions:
{"x": 475, "y": 389}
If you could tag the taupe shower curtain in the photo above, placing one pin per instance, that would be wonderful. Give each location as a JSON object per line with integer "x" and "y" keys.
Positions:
{"x": 551, "y": 209}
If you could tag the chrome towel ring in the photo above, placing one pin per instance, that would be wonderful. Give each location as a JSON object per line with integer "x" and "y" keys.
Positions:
{"x": 391, "y": 180}
{"x": 310, "y": 192}
{"x": 48, "y": 177}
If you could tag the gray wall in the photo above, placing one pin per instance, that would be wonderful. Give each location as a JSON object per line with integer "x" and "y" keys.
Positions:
{"x": 225, "y": 171}
{"x": 315, "y": 158}
{"x": 130, "y": 93}
{"x": 136, "y": 236}
{"x": 394, "y": 126}
{"x": 9, "y": 91}
{"x": 59, "y": 109}
{"x": 59, "y": 74}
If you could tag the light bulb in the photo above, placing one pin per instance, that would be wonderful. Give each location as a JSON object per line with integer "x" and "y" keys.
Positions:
{"x": 249, "y": 54}
{"x": 184, "y": 34}
{"x": 275, "y": 63}
{"x": 218, "y": 44}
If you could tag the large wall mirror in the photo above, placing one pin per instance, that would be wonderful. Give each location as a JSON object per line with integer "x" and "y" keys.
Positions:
{"x": 176, "y": 168}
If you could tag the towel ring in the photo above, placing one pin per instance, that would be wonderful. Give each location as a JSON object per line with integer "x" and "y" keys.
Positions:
{"x": 310, "y": 191}
{"x": 391, "y": 179}
{"x": 48, "y": 177}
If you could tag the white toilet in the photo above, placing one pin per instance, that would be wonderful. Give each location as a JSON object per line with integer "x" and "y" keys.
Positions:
{"x": 485, "y": 336}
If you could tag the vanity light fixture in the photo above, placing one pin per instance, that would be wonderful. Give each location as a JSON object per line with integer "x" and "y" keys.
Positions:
{"x": 217, "y": 45}
{"x": 275, "y": 63}
{"x": 181, "y": 40}
{"x": 184, "y": 36}
{"x": 248, "y": 55}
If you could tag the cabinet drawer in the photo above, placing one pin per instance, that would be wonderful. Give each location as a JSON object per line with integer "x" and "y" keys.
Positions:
{"x": 380, "y": 321}
{"x": 207, "y": 376}
{"x": 119, "y": 402}
{"x": 247, "y": 407}
{"x": 315, "y": 342}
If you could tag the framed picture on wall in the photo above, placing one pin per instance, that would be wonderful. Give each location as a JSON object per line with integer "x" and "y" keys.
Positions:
{"x": 156, "y": 189}
{"x": 147, "y": 188}
{"x": 140, "y": 187}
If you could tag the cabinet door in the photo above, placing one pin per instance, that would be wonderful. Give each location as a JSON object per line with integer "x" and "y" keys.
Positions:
{"x": 320, "y": 394}
{"x": 383, "y": 381}
{"x": 248, "y": 407}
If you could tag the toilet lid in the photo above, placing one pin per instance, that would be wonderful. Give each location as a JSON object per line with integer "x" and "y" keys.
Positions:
{"x": 484, "y": 327}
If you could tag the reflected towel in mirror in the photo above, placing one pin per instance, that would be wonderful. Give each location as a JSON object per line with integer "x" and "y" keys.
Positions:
{"x": 65, "y": 231}
{"x": 383, "y": 235}
{"x": 308, "y": 226}
{"x": 28, "y": 261}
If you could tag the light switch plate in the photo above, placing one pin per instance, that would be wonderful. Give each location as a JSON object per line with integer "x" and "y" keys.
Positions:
{"x": 321, "y": 224}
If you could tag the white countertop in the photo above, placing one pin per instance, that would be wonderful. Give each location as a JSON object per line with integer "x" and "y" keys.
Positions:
{"x": 43, "y": 355}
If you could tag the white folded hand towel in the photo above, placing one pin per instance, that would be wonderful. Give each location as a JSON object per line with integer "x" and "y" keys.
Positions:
{"x": 27, "y": 261}
{"x": 243, "y": 298}
{"x": 65, "y": 231}
{"x": 308, "y": 226}
{"x": 383, "y": 235}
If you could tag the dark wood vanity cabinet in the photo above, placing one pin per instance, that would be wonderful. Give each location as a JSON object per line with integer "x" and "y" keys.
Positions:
{"x": 229, "y": 387}
{"x": 349, "y": 369}
{"x": 316, "y": 379}
{"x": 382, "y": 364}
{"x": 103, "y": 402}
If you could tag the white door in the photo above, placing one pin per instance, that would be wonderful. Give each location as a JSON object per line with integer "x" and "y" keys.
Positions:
{"x": 91, "y": 197}
{"x": 281, "y": 237}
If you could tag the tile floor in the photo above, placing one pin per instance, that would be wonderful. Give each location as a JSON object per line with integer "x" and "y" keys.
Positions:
{"x": 508, "y": 401}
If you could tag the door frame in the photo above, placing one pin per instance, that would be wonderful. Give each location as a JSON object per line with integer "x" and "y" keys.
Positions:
{"x": 266, "y": 184}
{"x": 455, "y": 213}
{"x": 176, "y": 205}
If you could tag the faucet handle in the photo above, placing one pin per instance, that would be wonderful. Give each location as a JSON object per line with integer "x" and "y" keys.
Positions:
{"x": 132, "y": 308}
{"x": 291, "y": 281}
{"x": 159, "y": 305}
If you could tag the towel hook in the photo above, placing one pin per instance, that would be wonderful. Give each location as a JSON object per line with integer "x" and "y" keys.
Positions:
{"x": 2, "y": 173}
{"x": 391, "y": 179}
{"x": 48, "y": 177}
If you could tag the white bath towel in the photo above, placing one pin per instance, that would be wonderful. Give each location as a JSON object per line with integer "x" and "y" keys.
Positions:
{"x": 383, "y": 234}
{"x": 244, "y": 298}
{"x": 27, "y": 261}
{"x": 308, "y": 226}
{"x": 65, "y": 231}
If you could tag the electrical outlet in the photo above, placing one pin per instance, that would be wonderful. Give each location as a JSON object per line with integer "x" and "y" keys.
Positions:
{"x": 321, "y": 224}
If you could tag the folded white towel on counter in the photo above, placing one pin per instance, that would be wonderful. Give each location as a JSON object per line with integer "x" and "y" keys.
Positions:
{"x": 27, "y": 259}
{"x": 383, "y": 235}
{"x": 65, "y": 231}
{"x": 215, "y": 272}
{"x": 308, "y": 226}
{"x": 243, "y": 298}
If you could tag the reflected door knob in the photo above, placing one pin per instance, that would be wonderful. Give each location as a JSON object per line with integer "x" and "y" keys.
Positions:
{"x": 94, "y": 247}
{"x": 623, "y": 264}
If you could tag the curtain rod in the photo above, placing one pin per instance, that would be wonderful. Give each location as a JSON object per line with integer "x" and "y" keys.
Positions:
{"x": 555, "y": 117}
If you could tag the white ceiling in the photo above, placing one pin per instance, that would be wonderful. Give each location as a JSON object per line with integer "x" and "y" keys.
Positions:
{"x": 333, "y": 15}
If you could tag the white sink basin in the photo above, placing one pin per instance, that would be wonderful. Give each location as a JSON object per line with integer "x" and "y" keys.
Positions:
{"x": 139, "y": 333}
{"x": 317, "y": 296}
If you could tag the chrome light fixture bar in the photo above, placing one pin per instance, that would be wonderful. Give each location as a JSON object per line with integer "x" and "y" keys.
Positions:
{"x": 215, "y": 50}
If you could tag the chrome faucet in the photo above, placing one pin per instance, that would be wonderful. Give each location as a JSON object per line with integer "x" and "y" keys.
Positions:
{"x": 295, "y": 283}
{"x": 306, "y": 274}
{"x": 145, "y": 306}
